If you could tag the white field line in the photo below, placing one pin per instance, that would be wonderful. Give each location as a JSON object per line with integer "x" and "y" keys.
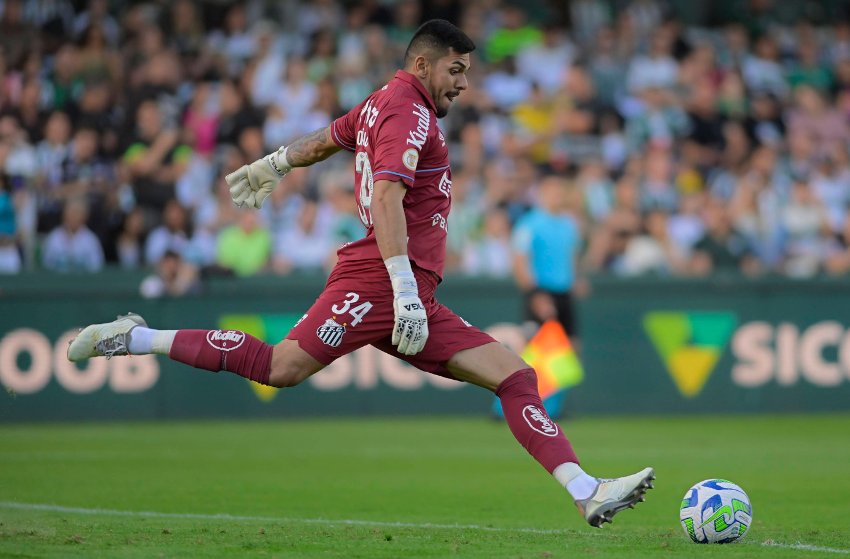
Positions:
{"x": 282, "y": 520}
{"x": 805, "y": 547}
{"x": 12, "y": 505}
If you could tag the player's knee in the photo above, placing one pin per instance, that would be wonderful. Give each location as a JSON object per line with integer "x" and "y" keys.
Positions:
{"x": 291, "y": 365}
{"x": 287, "y": 375}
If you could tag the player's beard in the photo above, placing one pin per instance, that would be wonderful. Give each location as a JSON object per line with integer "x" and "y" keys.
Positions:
{"x": 442, "y": 111}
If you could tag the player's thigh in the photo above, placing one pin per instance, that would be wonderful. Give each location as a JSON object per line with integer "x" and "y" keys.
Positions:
{"x": 486, "y": 365}
{"x": 354, "y": 310}
{"x": 456, "y": 349}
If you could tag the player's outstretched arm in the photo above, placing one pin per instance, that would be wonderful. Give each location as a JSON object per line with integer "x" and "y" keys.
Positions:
{"x": 251, "y": 184}
{"x": 410, "y": 331}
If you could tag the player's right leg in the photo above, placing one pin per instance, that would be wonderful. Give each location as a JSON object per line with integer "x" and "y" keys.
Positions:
{"x": 354, "y": 309}
{"x": 495, "y": 367}
{"x": 285, "y": 364}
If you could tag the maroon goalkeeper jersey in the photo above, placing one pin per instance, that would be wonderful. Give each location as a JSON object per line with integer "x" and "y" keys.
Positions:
{"x": 394, "y": 136}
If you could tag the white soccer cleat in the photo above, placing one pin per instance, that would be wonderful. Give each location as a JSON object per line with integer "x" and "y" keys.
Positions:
{"x": 107, "y": 339}
{"x": 613, "y": 495}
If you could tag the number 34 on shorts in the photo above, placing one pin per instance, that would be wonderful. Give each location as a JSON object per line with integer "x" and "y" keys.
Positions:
{"x": 347, "y": 307}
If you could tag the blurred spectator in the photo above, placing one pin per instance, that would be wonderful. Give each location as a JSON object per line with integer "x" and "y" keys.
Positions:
{"x": 805, "y": 226}
{"x": 10, "y": 258}
{"x": 72, "y": 247}
{"x": 491, "y": 254}
{"x": 721, "y": 248}
{"x": 762, "y": 71}
{"x": 659, "y": 124}
{"x": 173, "y": 278}
{"x": 546, "y": 245}
{"x": 269, "y": 65}
{"x": 837, "y": 261}
{"x": 244, "y": 247}
{"x": 306, "y": 244}
{"x": 513, "y": 34}
{"x": 295, "y": 98}
{"x": 234, "y": 44}
{"x": 653, "y": 251}
{"x": 809, "y": 70}
{"x": 657, "y": 69}
{"x": 96, "y": 15}
{"x": 609, "y": 239}
{"x": 657, "y": 190}
{"x": 547, "y": 62}
{"x": 129, "y": 246}
{"x": 155, "y": 159}
{"x": 172, "y": 235}
{"x": 813, "y": 117}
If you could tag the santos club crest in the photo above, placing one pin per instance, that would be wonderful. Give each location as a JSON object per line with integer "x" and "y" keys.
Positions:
{"x": 331, "y": 332}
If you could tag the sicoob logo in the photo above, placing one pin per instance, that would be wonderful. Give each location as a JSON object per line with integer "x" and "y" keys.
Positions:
{"x": 225, "y": 340}
{"x": 539, "y": 420}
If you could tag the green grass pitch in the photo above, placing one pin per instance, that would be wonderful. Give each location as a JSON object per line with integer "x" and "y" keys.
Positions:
{"x": 413, "y": 487}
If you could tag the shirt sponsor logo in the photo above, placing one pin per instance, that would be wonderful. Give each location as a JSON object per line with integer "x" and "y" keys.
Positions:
{"x": 410, "y": 158}
{"x": 539, "y": 420}
{"x": 331, "y": 332}
{"x": 417, "y": 137}
{"x": 439, "y": 220}
{"x": 445, "y": 185}
{"x": 225, "y": 340}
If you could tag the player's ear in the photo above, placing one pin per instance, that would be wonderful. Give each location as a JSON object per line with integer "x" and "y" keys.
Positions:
{"x": 421, "y": 67}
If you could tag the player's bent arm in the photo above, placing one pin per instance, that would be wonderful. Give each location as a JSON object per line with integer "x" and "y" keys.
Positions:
{"x": 410, "y": 330}
{"x": 311, "y": 148}
{"x": 251, "y": 184}
{"x": 388, "y": 218}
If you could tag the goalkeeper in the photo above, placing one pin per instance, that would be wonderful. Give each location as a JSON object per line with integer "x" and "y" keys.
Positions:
{"x": 381, "y": 292}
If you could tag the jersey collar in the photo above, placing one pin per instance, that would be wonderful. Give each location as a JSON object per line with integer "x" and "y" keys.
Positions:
{"x": 409, "y": 78}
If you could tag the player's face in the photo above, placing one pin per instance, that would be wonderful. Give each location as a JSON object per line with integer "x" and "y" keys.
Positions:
{"x": 447, "y": 79}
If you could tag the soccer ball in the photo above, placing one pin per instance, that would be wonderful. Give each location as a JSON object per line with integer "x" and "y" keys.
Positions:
{"x": 716, "y": 511}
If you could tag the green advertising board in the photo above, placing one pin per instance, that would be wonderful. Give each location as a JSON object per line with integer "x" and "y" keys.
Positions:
{"x": 647, "y": 346}
{"x": 728, "y": 345}
{"x": 39, "y": 314}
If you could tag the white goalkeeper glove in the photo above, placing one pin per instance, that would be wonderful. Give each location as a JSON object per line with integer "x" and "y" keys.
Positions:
{"x": 251, "y": 184}
{"x": 410, "y": 331}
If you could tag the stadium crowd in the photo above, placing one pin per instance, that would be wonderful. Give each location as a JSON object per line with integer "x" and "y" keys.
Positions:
{"x": 678, "y": 150}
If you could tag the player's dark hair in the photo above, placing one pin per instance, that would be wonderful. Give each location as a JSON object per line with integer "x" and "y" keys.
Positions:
{"x": 434, "y": 38}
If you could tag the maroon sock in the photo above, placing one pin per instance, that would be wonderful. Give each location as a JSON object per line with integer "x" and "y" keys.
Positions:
{"x": 530, "y": 423}
{"x": 224, "y": 350}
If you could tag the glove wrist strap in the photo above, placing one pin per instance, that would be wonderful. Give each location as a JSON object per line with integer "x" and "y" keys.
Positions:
{"x": 401, "y": 275}
{"x": 279, "y": 162}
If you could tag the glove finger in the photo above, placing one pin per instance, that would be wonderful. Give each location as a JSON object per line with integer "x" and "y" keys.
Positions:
{"x": 404, "y": 339}
{"x": 251, "y": 202}
{"x": 260, "y": 197}
{"x": 237, "y": 176}
{"x": 423, "y": 339}
{"x": 410, "y": 332}
{"x": 396, "y": 335}
{"x": 241, "y": 197}
{"x": 419, "y": 344}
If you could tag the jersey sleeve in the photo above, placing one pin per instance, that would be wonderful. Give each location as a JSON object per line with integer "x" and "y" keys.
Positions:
{"x": 399, "y": 140}
{"x": 344, "y": 129}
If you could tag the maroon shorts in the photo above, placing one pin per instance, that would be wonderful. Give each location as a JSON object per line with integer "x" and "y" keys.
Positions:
{"x": 356, "y": 309}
